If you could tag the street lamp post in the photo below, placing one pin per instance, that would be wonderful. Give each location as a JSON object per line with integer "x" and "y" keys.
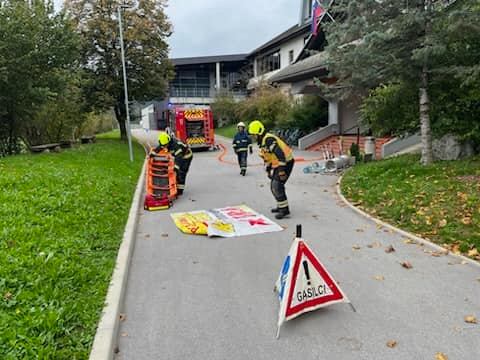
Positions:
{"x": 129, "y": 133}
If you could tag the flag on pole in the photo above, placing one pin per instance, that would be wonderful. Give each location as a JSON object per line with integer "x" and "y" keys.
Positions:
{"x": 317, "y": 13}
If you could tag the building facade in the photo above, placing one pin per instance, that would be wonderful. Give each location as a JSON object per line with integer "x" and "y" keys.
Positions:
{"x": 198, "y": 80}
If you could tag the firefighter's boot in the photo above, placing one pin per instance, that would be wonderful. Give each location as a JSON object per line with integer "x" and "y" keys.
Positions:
{"x": 282, "y": 213}
{"x": 275, "y": 210}
{"x": 243, "y": 172}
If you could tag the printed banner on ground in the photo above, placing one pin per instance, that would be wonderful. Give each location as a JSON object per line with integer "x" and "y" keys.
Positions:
{"x": 225, "y": 222}
{"x": 304, "y": 284}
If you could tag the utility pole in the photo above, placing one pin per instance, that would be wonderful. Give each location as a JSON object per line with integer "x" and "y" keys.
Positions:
{"x": 129, "y": 132}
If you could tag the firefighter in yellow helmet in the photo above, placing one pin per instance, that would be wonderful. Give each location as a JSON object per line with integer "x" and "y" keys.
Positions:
{"x": 278, "y": 159}
{"x": 183, "y": 157}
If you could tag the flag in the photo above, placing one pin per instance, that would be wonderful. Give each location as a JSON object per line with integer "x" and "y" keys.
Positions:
{"x": 317, "y": 12}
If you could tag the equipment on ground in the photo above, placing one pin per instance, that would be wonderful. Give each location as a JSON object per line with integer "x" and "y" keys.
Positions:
{"x": 161, "y": 185}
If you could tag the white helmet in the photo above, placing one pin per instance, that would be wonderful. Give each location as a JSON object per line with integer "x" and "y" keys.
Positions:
{"x": 241, "y": 124}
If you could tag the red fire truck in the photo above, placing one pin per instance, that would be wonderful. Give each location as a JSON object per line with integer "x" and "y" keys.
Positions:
{"x": 191, "y": 124}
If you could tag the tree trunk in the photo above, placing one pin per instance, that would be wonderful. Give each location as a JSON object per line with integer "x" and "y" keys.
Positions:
{"x": 121, "y": 116}
{"x": 427, "y": 153}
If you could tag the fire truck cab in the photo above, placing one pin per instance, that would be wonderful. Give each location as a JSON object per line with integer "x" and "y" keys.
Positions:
{"x": 191, "y": 124}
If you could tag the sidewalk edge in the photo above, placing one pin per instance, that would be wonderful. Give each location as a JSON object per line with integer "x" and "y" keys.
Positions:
{"x": 407, "y": 234}
{"x": 105, "y": 341}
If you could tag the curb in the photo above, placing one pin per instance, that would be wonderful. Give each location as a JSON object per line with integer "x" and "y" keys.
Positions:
{"x": 105, "y": 341}
{"x": 400, "y": 231}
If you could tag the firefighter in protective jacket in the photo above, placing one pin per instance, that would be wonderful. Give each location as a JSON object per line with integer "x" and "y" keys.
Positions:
{"x": 278, "y": 159}
{"x": 241, "y": 144}
{"x": 183, "y": 157}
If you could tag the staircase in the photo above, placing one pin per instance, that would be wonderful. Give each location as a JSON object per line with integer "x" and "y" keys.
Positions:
{"x": 332, "y": 143}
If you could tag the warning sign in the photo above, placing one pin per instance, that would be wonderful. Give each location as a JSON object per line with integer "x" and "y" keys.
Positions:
{"x": 230, "y": 221}
{"x": 304, "y": 284}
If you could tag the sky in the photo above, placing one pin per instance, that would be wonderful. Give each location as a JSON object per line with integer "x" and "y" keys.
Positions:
{"x": 221, "y": 27}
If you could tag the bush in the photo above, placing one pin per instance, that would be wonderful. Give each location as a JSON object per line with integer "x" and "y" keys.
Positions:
{"x": 97, "y": 123}
{"x": 267, "y": 104}
{"x": 224, "y": 110}
{"x": 307, "y": 115}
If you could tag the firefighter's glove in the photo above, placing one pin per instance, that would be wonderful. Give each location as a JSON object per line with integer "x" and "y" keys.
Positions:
{"x": 282, "y": 175}
{"x": 250, "y": 148}
{"x": 269, "y": 172}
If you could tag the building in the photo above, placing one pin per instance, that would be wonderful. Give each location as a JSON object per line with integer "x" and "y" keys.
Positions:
{"x": 198, "y": 80}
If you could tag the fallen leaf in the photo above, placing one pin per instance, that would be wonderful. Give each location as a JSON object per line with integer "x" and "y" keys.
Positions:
{"x": 379, "y": 278}
{"x": 165, "y": 235}
{"x": 8, "y": 295}
{"x": 356, "y": 203}
{"x": 409, "y": 241}
{"x": 438, "y": 253}
{"x": 391, "y": 344}
{"x": 284, "y": 227}
{"x": 147, "y": 236}
{"x": 122, "y": 317}
{"x": 194, "y": 262}
{"x": 375, "y": 244}
{"x": 390, "y": 249}
{"x": 360, "y": 230}
{"x": 124, "y": 334}
{"x": 442, "y": 223}
{"x": 464, "y": 262}
{"x": 467, "y": 220}
{"x": 261, "y": 185}
{"x": 325, "y": 190}
{"x": 473, "y": 252}
{"x": 356, "y": 247}
{"x": 441, "y": 356}
{"x": 470, "y": 319}
{"x": 407, "y": 265}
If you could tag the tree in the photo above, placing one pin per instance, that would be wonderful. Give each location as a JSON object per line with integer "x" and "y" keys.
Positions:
{"x": 383, "y": 42}
{"x": 146, "y": 29}
{"x": 39, "y": 52}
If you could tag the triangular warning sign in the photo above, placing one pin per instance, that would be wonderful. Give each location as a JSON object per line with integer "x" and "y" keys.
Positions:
{"x": 311, "y": 285}
{"x": 304, "y": 284}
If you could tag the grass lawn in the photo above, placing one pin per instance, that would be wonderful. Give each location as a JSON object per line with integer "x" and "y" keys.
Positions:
{"x": 227, "y": 131}
{"x": 439, "y": 202}
{"x": 62, "y": 218}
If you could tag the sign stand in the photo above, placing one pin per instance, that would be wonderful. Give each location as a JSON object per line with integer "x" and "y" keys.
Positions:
{"x": 304, "y": 284}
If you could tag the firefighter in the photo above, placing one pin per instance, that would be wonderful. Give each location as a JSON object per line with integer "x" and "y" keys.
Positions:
{"x": 241, "y": 144}
{"x": 278, "y": 159}
{"x": 183, "y": 157}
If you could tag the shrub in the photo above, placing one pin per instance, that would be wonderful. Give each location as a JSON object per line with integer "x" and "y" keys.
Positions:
{"x": 308, "y": 114}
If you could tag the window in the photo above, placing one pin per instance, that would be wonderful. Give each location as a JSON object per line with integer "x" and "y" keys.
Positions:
{"x": 269, "y": 63}
{"x": 290, "y": 56}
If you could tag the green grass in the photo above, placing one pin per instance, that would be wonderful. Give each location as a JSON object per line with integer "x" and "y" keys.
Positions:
{"x": 440, "y": 202}
{"x": 62, "y": 218}
{"x": 111, "y": 135}
{"x": 227, "y": 131}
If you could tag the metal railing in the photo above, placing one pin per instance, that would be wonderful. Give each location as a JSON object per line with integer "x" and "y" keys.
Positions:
{"x": 317, "y": 136}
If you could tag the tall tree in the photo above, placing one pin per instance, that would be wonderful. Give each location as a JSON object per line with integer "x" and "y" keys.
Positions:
{"x": 380, "y": 42}
{"x": 39, "y": 54}
{"x": 146, "y": 29}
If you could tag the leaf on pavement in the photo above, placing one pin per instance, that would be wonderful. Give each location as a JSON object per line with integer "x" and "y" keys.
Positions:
{"x": 409, "y": 241}
{"x": 359, "y": 230}
{"x": 391, "y": 344}
{"x": 122, "y": 317}
{"x": 473, "y": 253}
{"x": 147, "y": 236}
{"x": 375, "y": 244}
{"x": 165, "y": 235}
{"x": 379, "y": 277}
{"x": 441, "y": 356}
{"x": 356, "y": 247}
{"x": 407, "y": 265}
{"x": 390, "y": 249}
{"x": 470, "y": 319}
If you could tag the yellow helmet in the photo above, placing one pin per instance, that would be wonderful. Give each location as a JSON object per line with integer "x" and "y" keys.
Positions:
{"x": 163, "y": 138}
{"x": 256, "y": 128}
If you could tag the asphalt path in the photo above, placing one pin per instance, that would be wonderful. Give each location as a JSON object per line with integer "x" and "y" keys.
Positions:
{"x": 192, "y": 297}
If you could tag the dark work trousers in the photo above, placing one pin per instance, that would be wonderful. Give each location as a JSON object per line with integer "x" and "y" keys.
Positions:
{"x": 181, "y": 169}
{"x": 242, "y": 159}
{"x": 278, "y": 187}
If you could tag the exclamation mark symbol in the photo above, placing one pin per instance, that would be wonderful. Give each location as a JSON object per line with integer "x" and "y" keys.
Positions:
{"x": 307, "y": 273}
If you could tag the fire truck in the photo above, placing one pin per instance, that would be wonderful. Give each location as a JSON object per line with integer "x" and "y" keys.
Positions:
{"x": 191, "y": 124}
